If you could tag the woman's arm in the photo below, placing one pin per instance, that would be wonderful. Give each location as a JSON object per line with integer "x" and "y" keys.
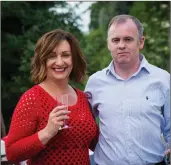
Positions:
{"x": 23, "y": 142}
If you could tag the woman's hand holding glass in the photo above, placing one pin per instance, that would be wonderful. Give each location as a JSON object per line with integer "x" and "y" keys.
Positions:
{"x": 56, "y": 120}
{"x": 63, "y": 100}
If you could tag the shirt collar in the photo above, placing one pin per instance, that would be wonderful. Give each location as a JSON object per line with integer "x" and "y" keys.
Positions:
{"x": 110, "y": 68}
{"x": 144, "y": 64}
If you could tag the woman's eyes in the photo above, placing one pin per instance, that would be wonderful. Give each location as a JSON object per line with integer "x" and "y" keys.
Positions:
{"x": 52, "y": 55}
{"x": 65, "y": 55}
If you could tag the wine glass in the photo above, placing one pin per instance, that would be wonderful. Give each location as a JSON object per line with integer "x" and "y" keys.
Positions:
{"x": 63, "y": 100}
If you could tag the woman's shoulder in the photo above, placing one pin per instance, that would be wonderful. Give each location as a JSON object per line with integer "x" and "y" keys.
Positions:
{"x": 80, "y": 92}
{"x": 32, "y": 93}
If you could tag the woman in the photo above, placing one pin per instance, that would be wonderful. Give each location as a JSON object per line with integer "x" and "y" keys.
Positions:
{"x": 35, "y": 131}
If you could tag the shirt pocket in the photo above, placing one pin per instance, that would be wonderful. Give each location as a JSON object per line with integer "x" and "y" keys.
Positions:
{"x": 153, "y": 102}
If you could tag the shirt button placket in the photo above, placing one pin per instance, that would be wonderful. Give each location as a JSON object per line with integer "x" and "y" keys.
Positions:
{"x": 126, "y": 106}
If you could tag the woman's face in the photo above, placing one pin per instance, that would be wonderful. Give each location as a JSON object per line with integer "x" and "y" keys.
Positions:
{"x": 59, "y": 63}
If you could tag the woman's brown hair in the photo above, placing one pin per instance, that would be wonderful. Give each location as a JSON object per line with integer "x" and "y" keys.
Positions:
{"x": 46, "y": 45}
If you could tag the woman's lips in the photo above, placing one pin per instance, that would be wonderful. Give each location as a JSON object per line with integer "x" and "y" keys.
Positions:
{"x": 59, "y": 69}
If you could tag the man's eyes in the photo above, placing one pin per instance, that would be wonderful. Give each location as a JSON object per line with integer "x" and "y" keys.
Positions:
{"x": 128, "y": 39}
{"x": 116, "y": 40}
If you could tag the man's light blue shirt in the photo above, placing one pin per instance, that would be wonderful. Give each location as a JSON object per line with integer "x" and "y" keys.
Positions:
{"x": 133, "y": 114}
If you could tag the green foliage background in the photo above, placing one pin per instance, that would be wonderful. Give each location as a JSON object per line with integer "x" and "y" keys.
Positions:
{"x": 23, "y": 23}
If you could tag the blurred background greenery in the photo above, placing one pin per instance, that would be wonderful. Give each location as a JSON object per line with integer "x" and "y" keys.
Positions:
{"x": 23, "y": 22}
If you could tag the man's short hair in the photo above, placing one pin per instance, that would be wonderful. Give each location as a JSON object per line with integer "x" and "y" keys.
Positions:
{"x": 123, "y": 18}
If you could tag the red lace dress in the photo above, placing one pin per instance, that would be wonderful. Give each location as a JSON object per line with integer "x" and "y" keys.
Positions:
{"x": 68, "y": 147}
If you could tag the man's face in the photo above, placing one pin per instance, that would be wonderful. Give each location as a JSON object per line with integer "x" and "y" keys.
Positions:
{"x": 124, "y": 43}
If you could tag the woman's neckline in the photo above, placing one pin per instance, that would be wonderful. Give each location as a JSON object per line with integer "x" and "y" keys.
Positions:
{"x": 52, "y": 98}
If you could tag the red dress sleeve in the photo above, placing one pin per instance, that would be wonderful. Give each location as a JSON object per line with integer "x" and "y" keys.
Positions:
{"x": 23, "y": 142}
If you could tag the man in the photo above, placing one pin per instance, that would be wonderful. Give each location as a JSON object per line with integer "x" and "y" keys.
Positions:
{"x": 132, "y": 100}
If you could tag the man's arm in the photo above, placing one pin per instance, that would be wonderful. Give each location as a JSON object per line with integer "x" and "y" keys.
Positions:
{"x": 166, "y": 132}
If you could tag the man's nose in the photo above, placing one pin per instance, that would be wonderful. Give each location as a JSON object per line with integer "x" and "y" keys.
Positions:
{"x": 121, "y": 45}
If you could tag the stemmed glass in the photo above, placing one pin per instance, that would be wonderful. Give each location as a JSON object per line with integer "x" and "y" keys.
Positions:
{"x": 63, "y": 100}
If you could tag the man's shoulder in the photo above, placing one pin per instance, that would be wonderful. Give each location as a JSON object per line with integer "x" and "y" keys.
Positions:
{"x": 159, "y": 71}
{"x": 98, "y": 74}
{"x": 96, "y": 78}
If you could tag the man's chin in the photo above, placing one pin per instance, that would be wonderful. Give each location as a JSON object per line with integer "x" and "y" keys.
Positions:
{"x": 123, "y": 61}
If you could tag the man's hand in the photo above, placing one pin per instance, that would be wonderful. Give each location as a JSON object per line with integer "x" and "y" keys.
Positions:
{"x": 167, "y": 154}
